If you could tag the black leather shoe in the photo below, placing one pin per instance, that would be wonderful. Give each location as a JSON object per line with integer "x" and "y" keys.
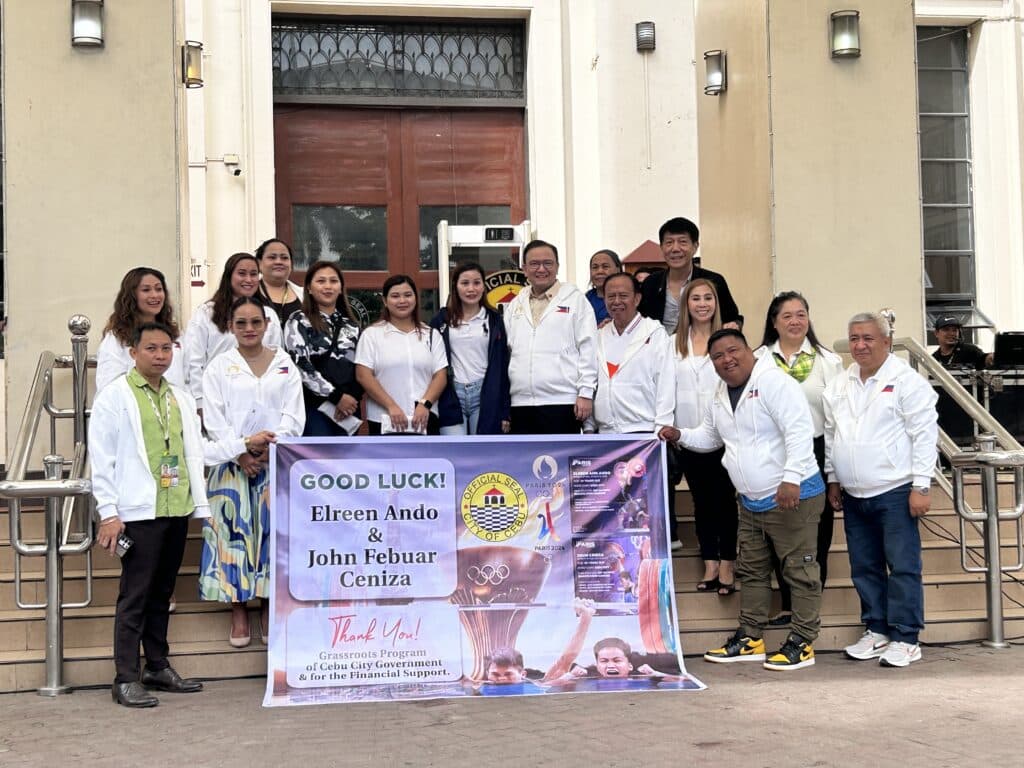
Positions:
{"x": 133, "y": 695}
{"x": 169, "y": 680}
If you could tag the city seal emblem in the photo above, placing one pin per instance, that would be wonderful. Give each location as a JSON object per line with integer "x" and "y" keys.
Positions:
{"x": 494, "y": 506}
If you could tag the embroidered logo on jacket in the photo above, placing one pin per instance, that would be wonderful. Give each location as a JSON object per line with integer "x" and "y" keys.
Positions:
{"x": 563, "y": 309}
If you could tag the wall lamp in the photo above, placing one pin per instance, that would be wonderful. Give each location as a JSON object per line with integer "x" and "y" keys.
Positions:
{"x": 644, "y": 36}
{"x": 86, "y": 22}
{"x": 716, "y": 80}
{"x": 192, "y": 64}
{"x": 845, "y": 29}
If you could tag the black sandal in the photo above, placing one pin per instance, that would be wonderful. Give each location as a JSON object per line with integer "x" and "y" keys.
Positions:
{"x": 709, "y": 585}
{"x": 724, "y": 590}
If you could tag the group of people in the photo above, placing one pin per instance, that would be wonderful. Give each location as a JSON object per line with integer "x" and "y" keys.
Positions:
{"x": 182, "y": 425}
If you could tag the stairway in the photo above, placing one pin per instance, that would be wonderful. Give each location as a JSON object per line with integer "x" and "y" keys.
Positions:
{"x": 954, "y": 605}
{"x": 954, "y": 600}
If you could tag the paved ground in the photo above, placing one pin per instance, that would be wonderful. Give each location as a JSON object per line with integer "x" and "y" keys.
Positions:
{"x": 960, "y": 706}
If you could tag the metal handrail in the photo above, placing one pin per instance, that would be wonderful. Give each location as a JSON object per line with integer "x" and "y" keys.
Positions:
{"x": 60, "y": 494}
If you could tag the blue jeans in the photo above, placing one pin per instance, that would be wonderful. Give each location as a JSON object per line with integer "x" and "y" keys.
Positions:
{"x": 469, "y": 399}
{"x": 885, "y": 562}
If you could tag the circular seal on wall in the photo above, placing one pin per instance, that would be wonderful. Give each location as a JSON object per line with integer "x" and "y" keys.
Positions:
{"x": 494, "y": 506}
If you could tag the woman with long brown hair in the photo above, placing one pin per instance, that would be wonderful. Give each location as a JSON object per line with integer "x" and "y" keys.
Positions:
{"x": 142, "y": 298}
{"x": 209, "y": 331}
{"x": 476, "y": 400}
{"x": 714, "y": 498}
{"x": 321, "y": 338}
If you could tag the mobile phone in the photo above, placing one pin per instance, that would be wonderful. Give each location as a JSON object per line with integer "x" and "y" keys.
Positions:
{"x": 124, "y": 543}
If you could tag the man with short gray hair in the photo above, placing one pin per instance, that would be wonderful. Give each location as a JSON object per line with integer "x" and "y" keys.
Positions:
{"x": 880, "y": 436}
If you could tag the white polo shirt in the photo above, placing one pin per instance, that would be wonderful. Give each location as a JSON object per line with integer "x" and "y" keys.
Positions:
{"x": 403, "y": 363}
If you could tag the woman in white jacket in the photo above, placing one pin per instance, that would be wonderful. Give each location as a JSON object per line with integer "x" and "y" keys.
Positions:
{"x": 790, "y": 342}
{"x": 714, "y": 498}
{"x": 142, "y": 298}
{"x": 253, "y": 395}
{"x": 209, "y": 334}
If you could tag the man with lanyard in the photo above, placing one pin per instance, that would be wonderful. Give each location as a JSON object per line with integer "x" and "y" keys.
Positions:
{"x": 636, "y": 384}
{"x": 679, "y": 239}
{"x": 762, "y": 418}
{"x": 880, "y": 437}
{"x": 146, "y": 456}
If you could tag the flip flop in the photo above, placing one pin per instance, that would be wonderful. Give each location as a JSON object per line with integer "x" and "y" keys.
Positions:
{"x": 709, "y": 585}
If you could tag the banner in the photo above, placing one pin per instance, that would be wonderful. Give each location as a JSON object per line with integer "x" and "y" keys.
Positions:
{"x": 418, "y": 568}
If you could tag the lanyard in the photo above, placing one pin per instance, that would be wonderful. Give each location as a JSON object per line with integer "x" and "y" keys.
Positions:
{"x": 163, "y": 420}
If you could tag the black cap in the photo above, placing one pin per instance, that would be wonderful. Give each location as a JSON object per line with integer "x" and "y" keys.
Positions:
{"x": 943, "y": 321}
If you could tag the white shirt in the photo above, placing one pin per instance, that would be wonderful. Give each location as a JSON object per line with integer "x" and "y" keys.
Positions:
{"x": 696, "y": 382}
{"x": 403, "y": 363}
{"x": 238, "y": 404}
{"x": 827, "y": 365}
{"x": 469, "y": 342}
{"x": 204, "y": 341}
{"x": 114, "y": 359}
{"x": 768, "y": 439}
{"x": 880, "y": 433}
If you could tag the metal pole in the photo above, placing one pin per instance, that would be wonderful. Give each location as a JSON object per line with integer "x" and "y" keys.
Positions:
{"x": 994, "y": 575}
{"x": 79, "y": 326}
{"x": 54, "y": 588}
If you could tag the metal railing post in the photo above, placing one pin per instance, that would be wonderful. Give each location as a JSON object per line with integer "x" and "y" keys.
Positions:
{"x": 994, "y": 572}
{"x": 79, "y": 326}
{"x": 54, "y": 466}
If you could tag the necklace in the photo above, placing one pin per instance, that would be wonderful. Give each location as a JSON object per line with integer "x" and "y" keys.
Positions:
{"x": 257, "y": 356}
{"x": 284, "y": 293}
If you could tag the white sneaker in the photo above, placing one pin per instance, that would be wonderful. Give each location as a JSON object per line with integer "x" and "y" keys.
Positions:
{"x": 870, "y": 646}
{"x": 899, "y": 654}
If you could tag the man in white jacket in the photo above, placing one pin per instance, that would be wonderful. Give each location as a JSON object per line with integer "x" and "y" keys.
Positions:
{"x": 762, "y": 418}
{"x": 636, "y": 378}
{"x": 551, "y": 334}
{"x": 146, "y": 456}
{"x": 880, "y": 437}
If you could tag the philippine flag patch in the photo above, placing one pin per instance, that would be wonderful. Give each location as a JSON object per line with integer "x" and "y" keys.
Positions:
{"x": 283, "y": 369}
{"x": 563, "y": 309}
{"x": 889, "y": 388}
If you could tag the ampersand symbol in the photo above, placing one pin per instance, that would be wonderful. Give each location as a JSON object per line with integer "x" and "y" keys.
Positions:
{"x": 375, "y": 537}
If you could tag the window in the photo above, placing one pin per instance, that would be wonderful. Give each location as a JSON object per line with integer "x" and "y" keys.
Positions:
{"x": 339, "y": 61}
{"x": 945, "y": 154}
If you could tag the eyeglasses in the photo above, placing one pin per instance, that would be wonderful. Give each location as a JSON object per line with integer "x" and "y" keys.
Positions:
{"x": 256, "y": 322}
{"x": 541, "y": 265}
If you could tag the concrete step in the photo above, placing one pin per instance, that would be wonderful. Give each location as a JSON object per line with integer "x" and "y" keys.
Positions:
{"x": 22, "y": 630}
{"x": 193, "y": 548}
{"x": 93, "y": 666}
{"x": 105, "y": 585}
{"x": 942, "y": 592}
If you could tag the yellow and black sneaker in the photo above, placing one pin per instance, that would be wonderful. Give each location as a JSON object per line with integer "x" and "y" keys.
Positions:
{"x": 739, "y": 647}
{"x": 795, "y": 653}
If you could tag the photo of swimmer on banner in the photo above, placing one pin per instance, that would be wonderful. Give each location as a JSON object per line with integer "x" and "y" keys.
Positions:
{"x": 409, "y": 568}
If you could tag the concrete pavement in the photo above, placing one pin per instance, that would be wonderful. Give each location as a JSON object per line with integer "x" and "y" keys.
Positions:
{"x": 959, "y": 706}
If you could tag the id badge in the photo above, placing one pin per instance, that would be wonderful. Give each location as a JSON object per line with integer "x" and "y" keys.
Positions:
{"x": 169, "y": 474}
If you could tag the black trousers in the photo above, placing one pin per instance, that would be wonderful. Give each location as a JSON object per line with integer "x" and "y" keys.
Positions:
{"x": 825, "y": 525}
{"x": 148, "y": 572}
{"x": 714, "y": 503}
{"x": 545, "y": 420}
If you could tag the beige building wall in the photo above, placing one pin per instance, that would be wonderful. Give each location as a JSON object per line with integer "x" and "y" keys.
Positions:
{"x": 845, "y": 163}
{"x": 735, "y": 153}
{"x": 591, "y": 180}
{"x": 92, "y": 171}
{"x": 808, "y": 165}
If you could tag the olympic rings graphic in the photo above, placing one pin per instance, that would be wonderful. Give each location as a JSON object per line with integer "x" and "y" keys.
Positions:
{"x": 488, "y": 574}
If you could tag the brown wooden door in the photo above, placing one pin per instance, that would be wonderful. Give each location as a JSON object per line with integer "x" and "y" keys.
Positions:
{"x": 367, "y": 186}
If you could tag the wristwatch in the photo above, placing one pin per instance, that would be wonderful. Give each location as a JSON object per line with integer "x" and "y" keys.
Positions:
{"x": 924, "y": 490}
{"x": 425, "y": 403}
